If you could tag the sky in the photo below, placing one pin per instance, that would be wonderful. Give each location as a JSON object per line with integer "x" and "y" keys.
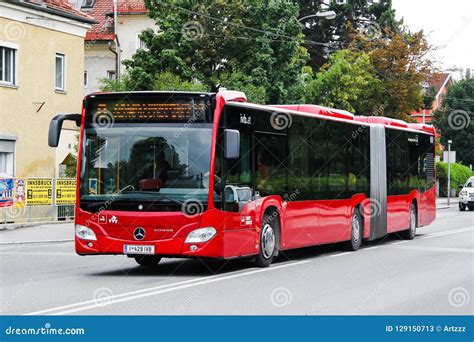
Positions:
{"x": 447, "y": 24}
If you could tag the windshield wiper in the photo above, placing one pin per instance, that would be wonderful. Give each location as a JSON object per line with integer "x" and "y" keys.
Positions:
{"x": 127, "y": 187}
{"x": 154, "y": 193}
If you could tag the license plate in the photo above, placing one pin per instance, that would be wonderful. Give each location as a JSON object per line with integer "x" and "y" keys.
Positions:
{"x": 139, "y": 249}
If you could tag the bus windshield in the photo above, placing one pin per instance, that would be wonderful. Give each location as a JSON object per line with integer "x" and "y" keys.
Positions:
{"x": 154, "y": 167}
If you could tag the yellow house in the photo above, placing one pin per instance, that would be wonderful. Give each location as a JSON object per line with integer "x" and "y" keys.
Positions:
{"x": 41, "y": 74}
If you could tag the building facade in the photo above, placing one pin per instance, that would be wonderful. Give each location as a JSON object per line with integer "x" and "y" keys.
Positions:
{"x": 108, "y": 44}
{"x": 439, "y": 83}
{"x": 42, "y": 63}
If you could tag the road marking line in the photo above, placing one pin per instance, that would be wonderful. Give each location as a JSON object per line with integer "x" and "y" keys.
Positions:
{"x": 339, "y": 254}
{"x": 368, "y": 248}
{"x": 90, "y": 304}
{"x": 437, "y": 249}
{"x": 398, "y": 242}
{"x": 460, "y": 230}
{"x": 449, "y": 232}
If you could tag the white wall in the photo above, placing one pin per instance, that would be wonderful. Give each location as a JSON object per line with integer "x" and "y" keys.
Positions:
{"x": 128, "y": 29}
{"x": 98, "y": 60}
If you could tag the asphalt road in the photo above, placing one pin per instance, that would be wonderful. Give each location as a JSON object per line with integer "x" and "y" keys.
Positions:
{"x": 432, "y": 274}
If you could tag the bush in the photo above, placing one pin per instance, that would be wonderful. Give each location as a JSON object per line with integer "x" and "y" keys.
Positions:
{"x": 459, "y": 176}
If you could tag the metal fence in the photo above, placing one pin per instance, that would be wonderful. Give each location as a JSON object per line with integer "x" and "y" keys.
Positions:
{"x": 40, "y": 213}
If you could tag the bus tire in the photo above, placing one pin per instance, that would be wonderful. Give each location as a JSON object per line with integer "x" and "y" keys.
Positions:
{"x": 462, "y": 206}
{"x": 148, "y": 260}
{"x": 410, "y": 233}
{"x": 268, "y": 241}
{"x": 357, "y": 231}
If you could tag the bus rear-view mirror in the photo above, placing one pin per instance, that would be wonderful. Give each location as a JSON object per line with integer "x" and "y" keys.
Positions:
{"x": 57, "y": 123}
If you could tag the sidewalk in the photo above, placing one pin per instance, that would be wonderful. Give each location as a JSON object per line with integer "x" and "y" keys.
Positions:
{"x": 41, "y": 233}
{"x": 442, "y": 202}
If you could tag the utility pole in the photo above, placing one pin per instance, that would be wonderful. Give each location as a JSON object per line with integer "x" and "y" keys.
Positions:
{"x": 449, "y": 171}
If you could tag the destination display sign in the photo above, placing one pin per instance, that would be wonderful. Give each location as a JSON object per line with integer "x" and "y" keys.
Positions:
{"x": 140, "y": 109}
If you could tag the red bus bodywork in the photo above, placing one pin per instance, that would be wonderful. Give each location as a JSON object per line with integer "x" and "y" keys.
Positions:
{"x": 238, "y": 233}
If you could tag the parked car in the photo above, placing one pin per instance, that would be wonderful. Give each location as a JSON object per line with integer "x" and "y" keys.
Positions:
{"x": 466, "y": 195}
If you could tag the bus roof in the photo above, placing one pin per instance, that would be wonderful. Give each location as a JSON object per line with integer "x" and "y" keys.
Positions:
{"x": 342, "y": 114}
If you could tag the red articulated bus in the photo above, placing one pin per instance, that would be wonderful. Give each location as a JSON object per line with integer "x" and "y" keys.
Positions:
{"x": 182, "y": 174}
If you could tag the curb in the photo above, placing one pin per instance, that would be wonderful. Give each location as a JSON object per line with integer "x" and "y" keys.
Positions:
{"x": 33, "y": 242}
{"x": 13, "y": 226}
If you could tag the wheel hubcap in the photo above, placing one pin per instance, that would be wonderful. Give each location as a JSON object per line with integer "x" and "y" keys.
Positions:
{"x": 355, "y": 228}
{"x": 268, "y": 241}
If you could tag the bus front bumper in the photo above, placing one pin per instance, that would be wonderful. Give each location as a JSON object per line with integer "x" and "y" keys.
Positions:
{"x": 173, "y": 247}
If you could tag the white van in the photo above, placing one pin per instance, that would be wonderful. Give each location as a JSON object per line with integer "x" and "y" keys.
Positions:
{"x": 466, "y": 195}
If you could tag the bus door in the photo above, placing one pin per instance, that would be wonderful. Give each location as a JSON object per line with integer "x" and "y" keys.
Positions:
{"x": 274, "y": 176}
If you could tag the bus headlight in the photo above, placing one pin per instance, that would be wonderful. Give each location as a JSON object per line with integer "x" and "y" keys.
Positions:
{"x": 85, "y": 233}
{"x": 463, "y": 193}
{"x": 201, "y": 235}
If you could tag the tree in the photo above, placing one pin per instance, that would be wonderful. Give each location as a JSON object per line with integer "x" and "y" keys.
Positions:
{"x": 255, "y": 43}
{"x": 401, "y": 63}
{"x": 348, "y": 81}
{"x": 455, "y": 120}
{"x": 335, "y": 34}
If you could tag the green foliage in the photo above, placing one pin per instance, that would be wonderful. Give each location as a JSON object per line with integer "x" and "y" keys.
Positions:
{"x": 169, "y": 81}
{"x": 161, "y": 81}
{"x": 347, "y": 82}
{"x": 376, "y": 66}
{"x": 123, "y": 84}
{"x": 459, "y": 175}
{"x": 455, "y": 120}
{"x": 336, "y": 33}
{"x": 217, "y": 42}
{"x": 240, "y": 81}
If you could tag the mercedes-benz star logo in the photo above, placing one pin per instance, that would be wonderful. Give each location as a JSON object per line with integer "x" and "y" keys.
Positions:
{"x": 139, "y": 233}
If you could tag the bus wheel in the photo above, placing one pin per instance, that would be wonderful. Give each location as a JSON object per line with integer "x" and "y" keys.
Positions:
{"x": 410, "y": 233}
{"x": 268, "y": 241}
{"x": 356, "y": 231}
{"x": 148, "y": 260}
{"x": 462, "y": 206}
